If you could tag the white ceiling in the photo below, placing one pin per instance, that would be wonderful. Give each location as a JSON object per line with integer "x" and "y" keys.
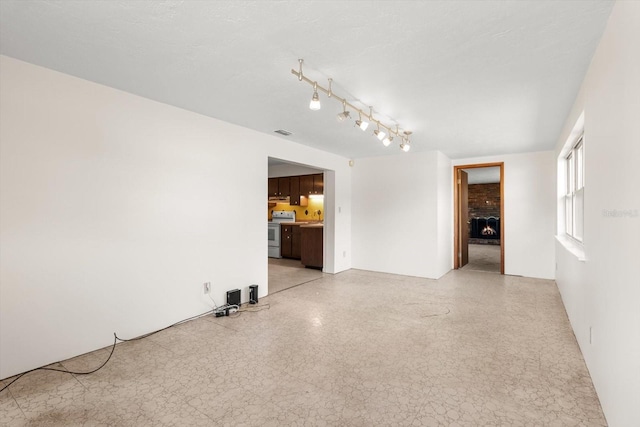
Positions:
{"x": 469, "y": 78}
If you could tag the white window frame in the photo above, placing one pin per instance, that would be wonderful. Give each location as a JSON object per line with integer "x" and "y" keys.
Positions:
{"x": 574, "y": 191}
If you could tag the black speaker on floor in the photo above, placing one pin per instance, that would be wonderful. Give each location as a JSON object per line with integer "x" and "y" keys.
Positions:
{"x": 253, "y": 294}
{"x": 233, "y": 297}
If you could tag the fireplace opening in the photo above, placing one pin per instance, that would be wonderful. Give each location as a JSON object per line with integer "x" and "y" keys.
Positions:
{"x": 484, "y": 230}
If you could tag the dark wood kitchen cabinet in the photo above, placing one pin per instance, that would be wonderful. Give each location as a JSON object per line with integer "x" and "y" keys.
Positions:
{"x": 296, "y": 242}
{"x": 273, "y": 187}
{"x": 298, "y": 188}
{"x": 311, "y": 184}
{"x": 279, "y": 187}
{"x": 312, "y": 246}
{"x": 294, "y": 190}
{"x": 306, "y": 185}
{"x": 318, "y": 183}
{"x": 283, "y": 187}
{"x": 290, "y": 244}
{"x": 285, "y": 240}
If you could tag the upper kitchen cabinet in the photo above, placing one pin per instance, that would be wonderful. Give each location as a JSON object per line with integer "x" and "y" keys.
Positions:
{"x": 318, "y": 184}
{"x": 283, "y": 187}
{"x": 294, "y": 189}
{"x": 279, "y": 187}
{"x": 306, "y": 185}
{"x": 273, "y": 187}
{"x": 312, "y": 184}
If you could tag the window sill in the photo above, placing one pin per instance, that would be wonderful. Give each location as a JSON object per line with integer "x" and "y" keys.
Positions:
{"x": 574, "y": 247}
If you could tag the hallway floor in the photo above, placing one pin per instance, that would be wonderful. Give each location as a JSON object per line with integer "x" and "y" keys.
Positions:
{"x": 484, "y": 258}
{"x": 353, "y": 349}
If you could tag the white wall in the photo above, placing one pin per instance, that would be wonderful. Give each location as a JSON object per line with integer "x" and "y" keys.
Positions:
{"x": 395, "y": 214}
{"x": 445, "y": 215}
{"x": 109, "y": 213}
{"x": 529, "y": 212}
{"x": 403, "y": 213}
{"x": 602, "y": 295}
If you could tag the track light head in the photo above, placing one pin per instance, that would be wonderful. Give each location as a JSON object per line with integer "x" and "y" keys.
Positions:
{"x": 405, "y": 141}
{"x": 379, "y": 134}
{"x": 387, "y": 141}
{"x": 345, "y": 114}
{"x": 362, "y": 124}
{"x": 315, "y": 99}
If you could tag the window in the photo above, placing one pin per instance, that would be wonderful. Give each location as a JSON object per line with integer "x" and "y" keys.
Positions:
{"x": 574, "y": 191}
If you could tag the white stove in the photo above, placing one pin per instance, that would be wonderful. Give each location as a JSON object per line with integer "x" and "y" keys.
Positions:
{"x": 278, "y": 217}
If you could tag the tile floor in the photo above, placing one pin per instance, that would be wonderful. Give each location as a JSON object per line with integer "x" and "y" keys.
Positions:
{"x": 287, "y": 273}
{"x": 353, "y": 349}
{"x": 484, "y": 258}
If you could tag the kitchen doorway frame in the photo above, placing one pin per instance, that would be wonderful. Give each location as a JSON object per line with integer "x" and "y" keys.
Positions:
{"x": 456, "y": 211}
{"x": 329, "y": 214}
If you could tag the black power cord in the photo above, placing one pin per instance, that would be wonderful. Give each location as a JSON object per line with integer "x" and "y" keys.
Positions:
{"x": 249, "y": 308}
{"x": 66, "y": 371}
{"x": 113, "y": 347}
{"x": 197, "y": 316}
{"x": 116, "y": 338}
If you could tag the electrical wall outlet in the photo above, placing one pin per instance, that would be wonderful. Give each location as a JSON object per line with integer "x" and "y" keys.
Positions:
{"x": 206, "y": 287}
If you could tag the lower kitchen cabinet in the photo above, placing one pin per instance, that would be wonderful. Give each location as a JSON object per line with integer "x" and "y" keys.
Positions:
{"x": 290, "y": 241}
{"x": 296, "y": 243}
{"x": 312, "y": 248}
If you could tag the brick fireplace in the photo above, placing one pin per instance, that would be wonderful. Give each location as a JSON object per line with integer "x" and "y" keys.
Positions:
{"x": 484, "y": 214}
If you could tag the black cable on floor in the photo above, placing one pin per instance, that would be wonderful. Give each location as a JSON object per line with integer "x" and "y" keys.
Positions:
{"x": 66, "y": 371}
{"x": 113, "y": 347}
{"x": 163, "y": 329}
{"x": 117, "y": 338}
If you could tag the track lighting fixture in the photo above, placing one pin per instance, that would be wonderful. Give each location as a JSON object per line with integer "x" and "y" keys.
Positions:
{"x": 345, "y": 114}
{"x": 379, "y": 134}
{"x": 405, "y": 145}
{"x": 387, "y": 141}
{"x": 360, "y": 123}
{"x": 315, "y": 100}
{"x": 386, "y": 138}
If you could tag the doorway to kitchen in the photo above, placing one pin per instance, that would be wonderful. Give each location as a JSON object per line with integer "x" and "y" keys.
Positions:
{"x": 295, "y": 215}
{"x": 479, "y": 217}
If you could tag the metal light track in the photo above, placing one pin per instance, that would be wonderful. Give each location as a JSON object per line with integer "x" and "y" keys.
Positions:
{"x": 330, "y": 94}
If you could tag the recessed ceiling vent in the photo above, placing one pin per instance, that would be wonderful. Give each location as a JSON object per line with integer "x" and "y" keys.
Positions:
{"x": 283, "y": 132}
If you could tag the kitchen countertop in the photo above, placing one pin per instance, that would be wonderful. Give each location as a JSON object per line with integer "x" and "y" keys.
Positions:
{"x": 304, "y": 223}
{"x": 312, "y": 225}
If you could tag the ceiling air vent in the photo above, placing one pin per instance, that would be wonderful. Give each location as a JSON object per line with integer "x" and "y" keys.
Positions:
{"x": 283, "y": 132}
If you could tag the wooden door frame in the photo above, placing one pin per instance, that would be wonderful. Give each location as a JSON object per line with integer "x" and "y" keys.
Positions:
{"x": 456, "y": 211}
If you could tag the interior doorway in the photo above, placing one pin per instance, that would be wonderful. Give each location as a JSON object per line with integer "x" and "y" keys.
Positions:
{"x": 295, "y": 200}
{"x": 479, "y": 217}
